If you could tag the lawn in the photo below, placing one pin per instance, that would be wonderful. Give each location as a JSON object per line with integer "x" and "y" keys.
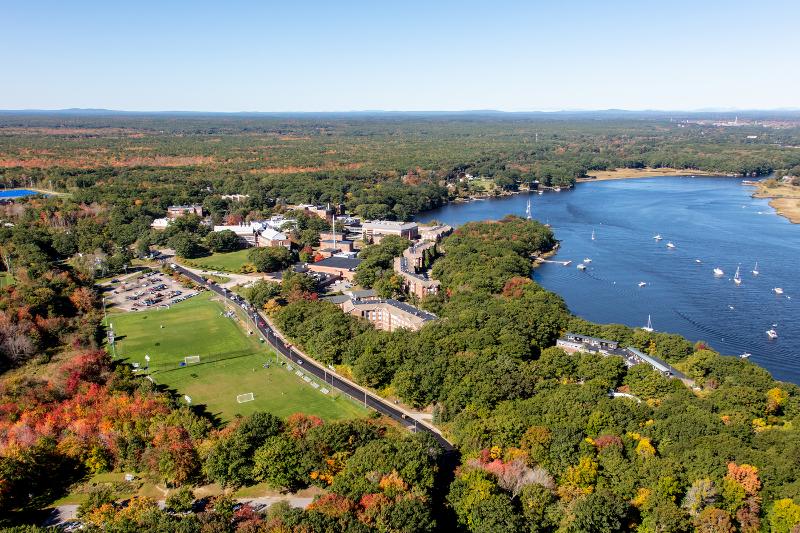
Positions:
{"x": 231, "y": 362}
{"x": 226, "y": 262}
{"x": 6, "y": 279}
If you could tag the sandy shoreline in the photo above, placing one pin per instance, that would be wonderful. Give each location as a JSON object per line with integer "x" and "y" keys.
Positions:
{"x": 633, "y": 173}
{"x": 784, "y": 199}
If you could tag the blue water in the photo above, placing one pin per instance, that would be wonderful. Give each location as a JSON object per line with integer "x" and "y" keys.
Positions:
{"x": 17, "y": 193}
{"x": 711, "y": 219}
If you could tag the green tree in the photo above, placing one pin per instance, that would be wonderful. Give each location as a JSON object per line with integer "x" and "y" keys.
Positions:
{"x": 223, "y": 241}
{"x": 270, "y": 259}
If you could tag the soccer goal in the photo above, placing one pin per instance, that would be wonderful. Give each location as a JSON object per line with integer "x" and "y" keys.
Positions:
{"x": 248, "y": 397}
{"x": 189, "y": 359}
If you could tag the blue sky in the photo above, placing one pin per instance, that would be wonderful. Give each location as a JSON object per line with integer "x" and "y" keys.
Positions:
{"x": 399, "y": 55}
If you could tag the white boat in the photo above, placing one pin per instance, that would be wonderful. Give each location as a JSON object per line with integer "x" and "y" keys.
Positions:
{"x": 592, "y": 234}
{"x": 581, "y": 267}
{"x": 557, "y": 189}
{"x": 649, "y": 327}
{"x": 745, "y": 355}
{"x": 755, "y": 269}
{"x": 778, "y": 290}
{"x": 697, "y": 261}
{"x": 772, "y": 334}
{"x": 670, "y": 245}
{"x": 736, "y": 279}
{"x": 587, "y": 260}
{"x": 658, "y": 237}
{"x": 541, "y": 192}
{"x": 567, "y": 263}
{"x": 642, "y": 284}
{"x": 718, "y": 272}
{"x": 528, "y": 210}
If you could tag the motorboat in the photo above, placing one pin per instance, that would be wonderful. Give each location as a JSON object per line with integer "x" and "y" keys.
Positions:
{"x": 670, "y": 245}
{"x": 777, "y": 290}
{"x": 587, "y": 260}
{"x": 697, "y": 261}
{"x": 581, "y": 267}
{"x": 745, "y": 355}
{"x": 718, "y": 272}
{"x": 649, "y": 327}
{"x": 567, "y": 263}
{"x": 772, "y": 334}
{"x": 642, "y": 284}
{"x": 658, "y": 237}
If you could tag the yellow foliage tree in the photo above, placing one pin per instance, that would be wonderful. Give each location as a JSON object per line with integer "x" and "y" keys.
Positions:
{"x": 645, "y": 448}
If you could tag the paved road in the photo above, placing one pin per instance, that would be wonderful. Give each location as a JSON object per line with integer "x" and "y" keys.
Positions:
{"x": 65, "y": 513}
{"x": 309, "y": 365}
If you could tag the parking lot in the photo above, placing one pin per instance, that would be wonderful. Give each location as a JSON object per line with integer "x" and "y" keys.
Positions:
{"x": 151, "y": 290}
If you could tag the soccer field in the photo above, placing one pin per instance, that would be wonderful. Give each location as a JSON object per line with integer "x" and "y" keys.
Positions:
{"x": 231, "y": 362}
{"x": 227, "y": 262}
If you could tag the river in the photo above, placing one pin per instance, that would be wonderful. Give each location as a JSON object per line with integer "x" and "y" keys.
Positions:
{"x": 710, "y": 219}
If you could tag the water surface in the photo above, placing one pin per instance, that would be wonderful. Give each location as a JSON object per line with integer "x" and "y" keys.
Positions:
{"x": 712, "y": 219}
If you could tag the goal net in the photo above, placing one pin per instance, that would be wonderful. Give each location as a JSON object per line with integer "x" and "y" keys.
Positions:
{"x": 248, "y": 397}
{"x": 189, "y": 359}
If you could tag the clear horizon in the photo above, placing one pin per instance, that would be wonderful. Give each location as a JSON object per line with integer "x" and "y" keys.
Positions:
{"x": 415, "y": 57}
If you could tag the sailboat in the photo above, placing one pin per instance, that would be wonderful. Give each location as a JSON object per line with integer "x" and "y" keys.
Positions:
{"x": 649, "y": 327}
{"x": 736, "y": 278}
{"x": 528, "y": 210}
{"x": 592, "y": 234}
{"x": 755, "y": 269}
{"x": 642, "y": 284}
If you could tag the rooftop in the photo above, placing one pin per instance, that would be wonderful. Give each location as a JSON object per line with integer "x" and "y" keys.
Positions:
{"x": 344, "y": 263}
{"x": 655, "y": 362}
{"x": 388, "y": 225}
{"x": 410, "y": 309}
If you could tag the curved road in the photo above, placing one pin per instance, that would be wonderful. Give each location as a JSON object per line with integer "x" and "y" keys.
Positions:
{"x": 311, "y": 366}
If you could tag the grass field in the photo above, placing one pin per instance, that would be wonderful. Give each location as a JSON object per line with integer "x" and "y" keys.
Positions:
{"x": 227, "y": 262}
{"x": 6, "y": 279}
{"x": 231, "y": 363}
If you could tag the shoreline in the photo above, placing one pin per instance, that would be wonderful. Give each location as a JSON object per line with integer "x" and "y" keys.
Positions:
{"x": 783, "y": 198}
{"x": 647, "y": 172}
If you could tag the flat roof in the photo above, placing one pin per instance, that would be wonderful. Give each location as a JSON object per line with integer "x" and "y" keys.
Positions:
{"x": 410, "y": 309}
{"x": 388, "y": 224}
{"x": 587, "y": 337}
{"x": 337, "y": 299}
{"x": 345, "y": 263}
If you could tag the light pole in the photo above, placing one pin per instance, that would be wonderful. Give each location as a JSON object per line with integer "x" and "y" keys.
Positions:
{"x": 105, "y": 317}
